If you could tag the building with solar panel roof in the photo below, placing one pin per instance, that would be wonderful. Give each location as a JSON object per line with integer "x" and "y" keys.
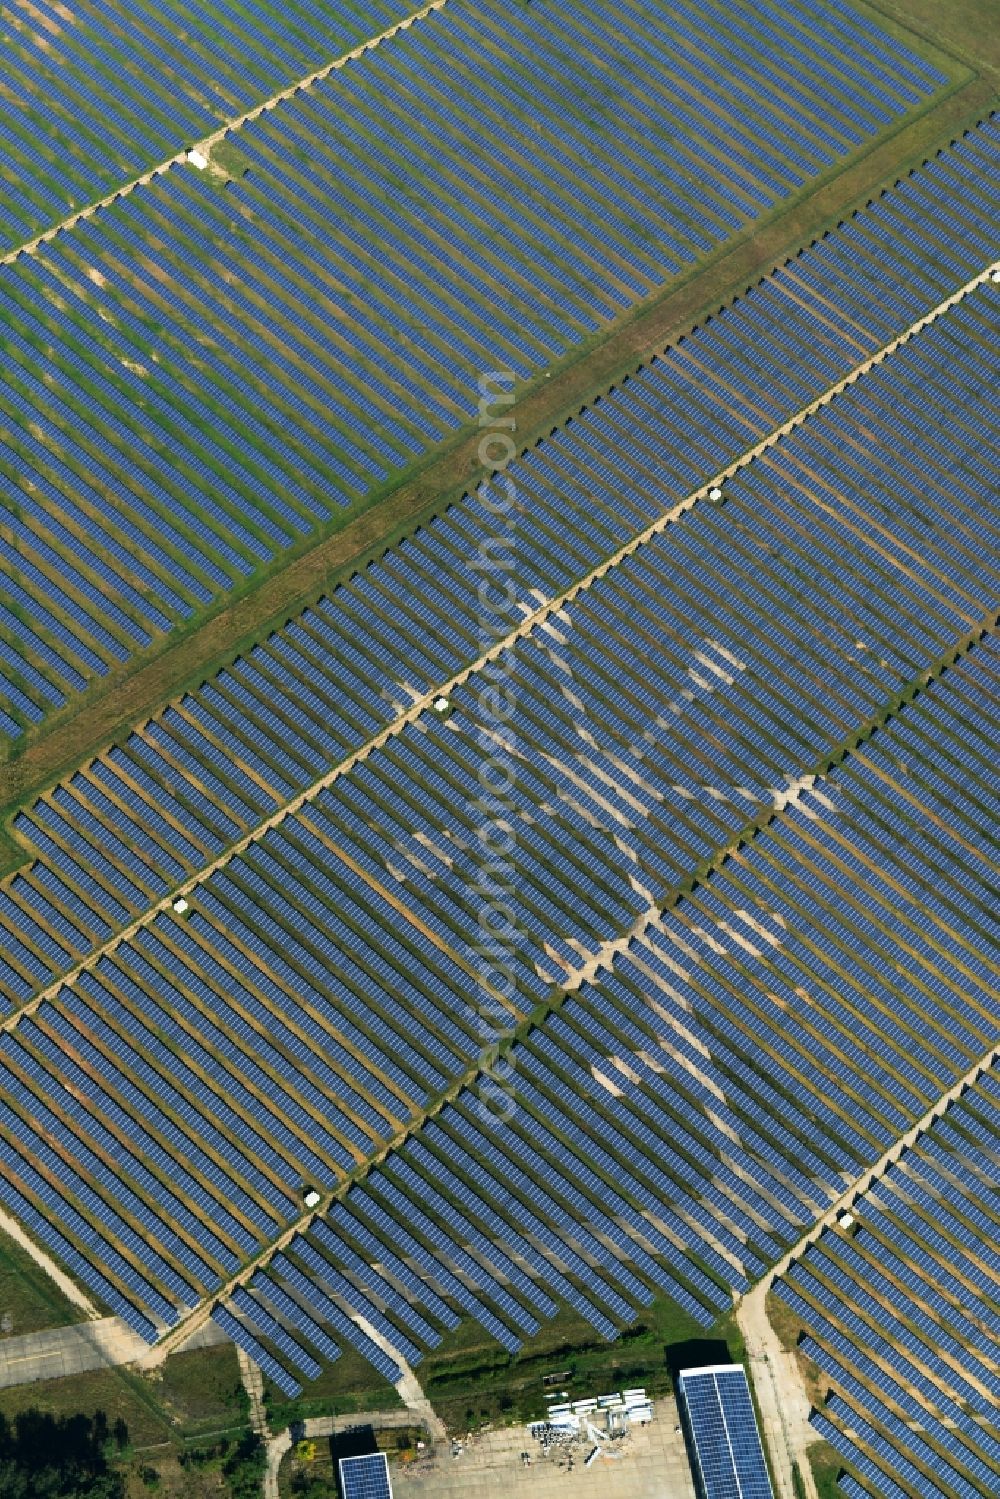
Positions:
{"x": 365, "y": 1477}
{"x": 721, "y": 1429}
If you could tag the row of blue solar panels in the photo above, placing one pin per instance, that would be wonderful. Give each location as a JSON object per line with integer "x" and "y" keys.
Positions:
{"x": 722, "y": 1428}
{"x": 780, "y": 991}
{"x": 365, "y": 1477}
{"x": 823, "y": 1131}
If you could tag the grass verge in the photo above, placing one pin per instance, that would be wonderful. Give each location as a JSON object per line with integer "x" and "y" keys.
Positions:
{"x": 29, "y": 1300}
{"x": 346, "y": 1388}
{"x": 471, "y": 1381}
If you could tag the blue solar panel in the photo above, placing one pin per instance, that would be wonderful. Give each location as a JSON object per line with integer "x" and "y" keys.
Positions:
{"x": 365, "y": 1477}
{"x": 727, "y": 1459}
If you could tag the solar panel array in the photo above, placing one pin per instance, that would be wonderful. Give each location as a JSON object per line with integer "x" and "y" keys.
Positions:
{"x": 758, "y": 1044}
{"x": 722, "y": 1427}
{"x": 899, "y": 1315}
{"x": 365, "y": 1477}
{"x": 677, "y": 1125}
{"x": 93, "y": 94}
{"x": 197, "y": 376}
{"x": 845, "y": 566}
{"x": 761, "y": 1043}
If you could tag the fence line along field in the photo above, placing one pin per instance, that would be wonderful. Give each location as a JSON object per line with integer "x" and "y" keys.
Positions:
{"x": 843, "y": 575}
{"x": 201, "y": 374}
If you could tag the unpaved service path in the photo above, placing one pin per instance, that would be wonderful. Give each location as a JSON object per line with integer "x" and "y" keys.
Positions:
{"x": 783, "y": 1403}
{"x": 67, "y": 1286}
